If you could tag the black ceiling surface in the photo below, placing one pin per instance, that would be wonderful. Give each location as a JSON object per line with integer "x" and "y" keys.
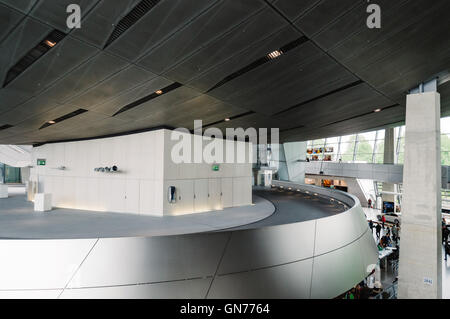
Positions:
{"x": 333, "y": 73}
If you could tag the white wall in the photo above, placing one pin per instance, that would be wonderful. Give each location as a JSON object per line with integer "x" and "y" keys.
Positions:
{"x": 145, "y": 172}
{"x": 136, "y": 188}
{"x": 202, "y": 189}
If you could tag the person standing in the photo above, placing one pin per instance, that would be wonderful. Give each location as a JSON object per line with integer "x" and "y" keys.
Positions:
{"x": 371, "y": 226}
{"x": 445, "y": 233}
{"x": 369, "y": 203}
{"x": 383, "y": 220}
{"x": 378, "y": 230}
{"x": 395, "y": 234}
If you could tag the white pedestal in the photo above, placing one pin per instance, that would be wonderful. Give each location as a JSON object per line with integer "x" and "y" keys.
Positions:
{"x": 3, "y": 191}
{"x": 43, "y": 202}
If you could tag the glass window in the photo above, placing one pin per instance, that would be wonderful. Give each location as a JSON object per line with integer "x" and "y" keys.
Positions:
{"x": 367, "y": 136}
{"x": 445, "y": 125}
{"x": 445, "y": 158}
{"x": 333, "y": 140}
{"x": 379, "y": 158}
{"x": 445, "y": 143}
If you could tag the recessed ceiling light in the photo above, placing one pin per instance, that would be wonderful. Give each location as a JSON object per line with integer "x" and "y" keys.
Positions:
{"x": 159, "y": 92}
{"x": 377, "y": 110}
{"x": 227, "y": 120}
{"x": 51, "y": 122}
{"x": 275, "y": 54}
{"x": 51, "y": 44}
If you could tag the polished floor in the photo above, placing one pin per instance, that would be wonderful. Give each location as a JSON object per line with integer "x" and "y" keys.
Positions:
{"x": 19, "y": 221}
{"x": 294, "y": 207}
{"x": 271, "y": 207}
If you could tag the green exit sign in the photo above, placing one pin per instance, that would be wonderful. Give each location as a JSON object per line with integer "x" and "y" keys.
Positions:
{"x": 41, "y": 162}
{"x": 215, "y": 168}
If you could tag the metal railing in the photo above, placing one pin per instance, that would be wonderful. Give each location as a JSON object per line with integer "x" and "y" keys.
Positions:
{"x": 388, "y": 293}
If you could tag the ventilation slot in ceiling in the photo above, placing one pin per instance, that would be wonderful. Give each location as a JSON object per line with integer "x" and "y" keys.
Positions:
{"x": 361, "y": 115}
{"x": 63, "y": 118}
{"x": 33, "y": 55}
{"x": 4, "y": 127}
{"x": 131, "y": 18}
{"x": 229, "y": 119}
{"x": 263, "y": 60}
{"x": 147, "y": 98}
{"x": 348, "y": 86}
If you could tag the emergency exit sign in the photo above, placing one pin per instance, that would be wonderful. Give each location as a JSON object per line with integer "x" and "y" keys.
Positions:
{"x": 215, "y": 167}
{"x": 41, "y": 162}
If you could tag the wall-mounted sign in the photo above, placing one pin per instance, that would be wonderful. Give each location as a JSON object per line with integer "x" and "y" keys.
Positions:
{"x": 41, "y": 162}
{"x": 215, "y": 167}
{"x": 428, "y": 281}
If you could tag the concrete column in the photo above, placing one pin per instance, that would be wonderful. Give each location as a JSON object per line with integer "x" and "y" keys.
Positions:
{"x": 389, "y": 156}
{"x": 420, "y": 272}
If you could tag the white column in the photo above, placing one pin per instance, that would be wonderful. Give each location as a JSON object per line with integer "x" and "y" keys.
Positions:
{"x": 389, "y": 152}
{"x": 420, "y": 272}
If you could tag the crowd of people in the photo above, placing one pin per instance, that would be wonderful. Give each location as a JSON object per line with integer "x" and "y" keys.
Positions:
{"x": 389, "y": 237}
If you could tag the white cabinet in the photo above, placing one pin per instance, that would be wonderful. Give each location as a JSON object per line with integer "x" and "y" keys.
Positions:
{"x": 242, "y": 191}
{"x": 201, "y": 195}
{"x": 227, "y": 192}
{"x": 214, "y": 198}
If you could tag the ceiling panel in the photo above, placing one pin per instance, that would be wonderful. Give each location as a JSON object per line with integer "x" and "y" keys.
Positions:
{"x": 9, "y": 18}
{"x": 294, "y": 9}
{"x": 98, "y": 68}
{"x": 111, "y": 87}
{"x": 221, "y": 18}
{"x": 255, "y": 29}
{"x": 342, "y": 105}
{"x": 204, "y": 82}
{"x": 55, "y": 64}
{"x": 21, "y": 5}
{"x": 160, "y": 23}
{"x": 54, "y": 12}
{"x": 18, "y": 42}
{"x": 111, "y": 106}
{"x": 159, "y": 105}
{"x": 397, "y": 57}
{"x": 301, "y": 74}
{"x": 31, "y": 108}
{"x": 327, "y": 85}
{"x": 323, "y": 14}
{"x": 100, "y": 22}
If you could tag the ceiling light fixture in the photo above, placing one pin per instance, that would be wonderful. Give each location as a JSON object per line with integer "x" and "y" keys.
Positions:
{"x": 377, "y": 110}
{"x": 159, "y": 92}
{"x": 275, "y": 54}
{"x": 51, "y": 44}
{"x": 51, "y": 122}
{"x": 227, "y": 120}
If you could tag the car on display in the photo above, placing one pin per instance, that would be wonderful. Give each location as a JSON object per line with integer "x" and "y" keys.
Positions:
{"x": 394, "y": 218}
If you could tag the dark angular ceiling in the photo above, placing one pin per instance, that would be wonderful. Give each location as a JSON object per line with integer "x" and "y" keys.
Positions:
{"x": 209, "y": 59}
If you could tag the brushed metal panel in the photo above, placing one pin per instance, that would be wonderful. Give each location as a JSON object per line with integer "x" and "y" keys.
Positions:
{"x": 270, "y": 246}
{"x": 343, "y": 228}
{"x": 126, "y": 261}
{"x": 30, "y": 294}
{"x": 185, "y": 289}
{"x": 40, "y": 264}
{"x": 337, "y": 271}
{"x": 286, "y": 281}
